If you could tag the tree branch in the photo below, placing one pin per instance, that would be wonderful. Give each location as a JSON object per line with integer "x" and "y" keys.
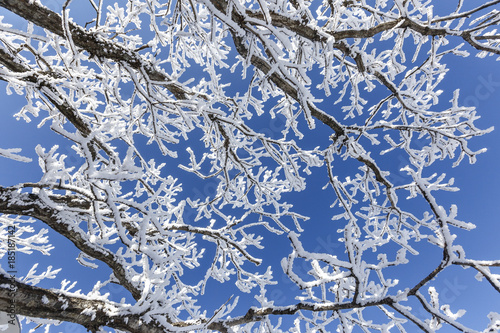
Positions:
{"x": 92, "y": 42}
{"x": 42, "y": 303}
{"x": 13, "y": 202}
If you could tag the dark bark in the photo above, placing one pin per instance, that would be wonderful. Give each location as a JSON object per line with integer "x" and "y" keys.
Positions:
{"x": 42, "y": 303}
{"x": 94, "y": 44}
{"x": 12, "y": 202}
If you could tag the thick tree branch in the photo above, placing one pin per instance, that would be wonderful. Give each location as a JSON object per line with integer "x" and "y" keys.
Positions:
{"x": 317, "y": 35}
{"x": 93, "y": 43}
{"x": 42, "y": 303}
{"x": 13, "y": 202}
{"x": 257, "y": 314}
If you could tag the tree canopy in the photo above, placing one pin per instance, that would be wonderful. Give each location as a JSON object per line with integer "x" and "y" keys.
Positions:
{"x": 159, "y": 98}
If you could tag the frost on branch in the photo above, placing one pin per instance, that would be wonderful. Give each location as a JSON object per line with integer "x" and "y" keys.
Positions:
{"x": 12, "y": 154}
{"x": 178, "y": 181}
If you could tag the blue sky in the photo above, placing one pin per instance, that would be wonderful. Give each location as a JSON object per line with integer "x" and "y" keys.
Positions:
{"x": 478, "y": 200}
